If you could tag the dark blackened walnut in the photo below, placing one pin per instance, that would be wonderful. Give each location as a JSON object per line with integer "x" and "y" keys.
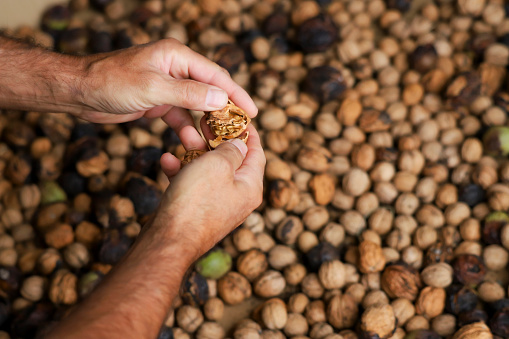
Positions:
{"x": 319, "y": 254}
{"x": 400, "y": 5}
{"x": 229, "y": 56}
{"x": 317, "y": 34}
{"x": 471, "y": 194}
{"x": 145, "y": 161}
{"x": 325, "y": 83}
{"x": 422, "y": 334}
{"x": 140, "y": 16}
{"x": 114, "y": 245}
{"x": 424, "y": 58}
{"x": 492, "y": 227}
{"x": 100, "y": 4}
{"x": 29, "y": 322}
{"x": 10, "y": 279}
{"x": 73, "y": 41}
{"x": 464, "y": 89}
{"x": 72, "y": 183}
{"x": 470, "y": 317}
{"x": 55, "y": 19}
{"x": 144, "y": 193}
{"x": 195, "y": 290}
{"x": 460, "y": 299}
{"x": 499, "y": 323}
{"x": 276, "y": 23}
{"x": 479, "y": 42}
{"x": 4, "y": 310}
{"x": 469, "y": 269}
{"x": 101, "y": 42}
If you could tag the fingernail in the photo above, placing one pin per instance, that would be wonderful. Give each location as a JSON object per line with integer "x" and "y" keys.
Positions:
{"x": 216, "y": 98}
{"x": 240, "y": 145}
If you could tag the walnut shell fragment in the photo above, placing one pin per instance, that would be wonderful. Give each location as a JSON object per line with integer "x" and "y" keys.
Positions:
{"x": 190, "y": 156}
{"x": 229, "y": 123}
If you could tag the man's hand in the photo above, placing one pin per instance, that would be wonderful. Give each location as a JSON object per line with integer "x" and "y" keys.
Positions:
{"x": 205, "y": 201}
{"x": 160, "y": 79}
{"x": 213, "y": 194}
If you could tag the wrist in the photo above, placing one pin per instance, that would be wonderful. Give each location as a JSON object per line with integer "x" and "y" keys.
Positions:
{"x": 33, "y": 78}
{"x": 166, "y": 235}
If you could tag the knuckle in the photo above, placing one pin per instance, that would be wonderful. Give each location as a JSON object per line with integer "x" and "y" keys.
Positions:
{"x": 187, "y": 93}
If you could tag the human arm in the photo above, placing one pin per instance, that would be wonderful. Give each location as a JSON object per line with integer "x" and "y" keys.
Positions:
{"x": 193, "y": 216}
{"x": 154, "y": 80}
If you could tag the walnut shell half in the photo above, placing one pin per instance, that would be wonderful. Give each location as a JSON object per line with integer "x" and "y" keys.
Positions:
{"x": 229, "y": 123}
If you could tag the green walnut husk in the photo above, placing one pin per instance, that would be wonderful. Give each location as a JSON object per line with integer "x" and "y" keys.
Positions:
{"x": 51, "y": 193}
{"x": 214, "y": 264}
{"x": 497, "y": 216}
{"x": 88, "y": 282}
{"x": 496, "y": 141}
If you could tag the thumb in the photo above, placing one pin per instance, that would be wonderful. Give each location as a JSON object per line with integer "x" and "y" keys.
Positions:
{"x": 193, "y": 95}
{"x": 233, "y": 150}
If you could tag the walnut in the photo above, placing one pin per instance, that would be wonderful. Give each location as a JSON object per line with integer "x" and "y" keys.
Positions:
{"x": 473, "y": 331}
{"x": 269, "y": 284}
{"x": 252, "y": 263}
{"x": 431, "y": 302}
{"x": 379, "y": 319}
{"x": 210, "y": 330}
{"x": 332, "y": 274}
{"x": 33, "y": 288}
{"x": 233, "y": 288}
{"x": 401, "y": 281}
{"x": 189, "y": 318}
{"x": 274, "y": 314}
{"x": 371, "y": 257}
{"x": 229, "y": 123}
{"x": 63, "y": 288}
{"x": 190, "y": 156}
{"x": 342, "y": 311}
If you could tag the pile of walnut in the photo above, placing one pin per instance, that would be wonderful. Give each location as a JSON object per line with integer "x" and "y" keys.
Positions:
{"x": 384, "y": 124}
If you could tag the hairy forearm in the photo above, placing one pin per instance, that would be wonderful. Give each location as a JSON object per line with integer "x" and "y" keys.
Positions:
{"x": 133, "y": 301}
{"x": 32, "y": 78}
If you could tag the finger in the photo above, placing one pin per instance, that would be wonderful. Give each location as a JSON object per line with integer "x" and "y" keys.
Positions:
{"x": 205, "y": 129}
{"x": 183, "y": 124}
{"x": 204, "y": 70}
{"x": 157, "y": 111}
{"x": 253, "y": 166}
{"x": 170, "y": 164}
{"x": 189, "y": 94}
{"x": 109, "y": 118}
{"x": 234, "y": 151}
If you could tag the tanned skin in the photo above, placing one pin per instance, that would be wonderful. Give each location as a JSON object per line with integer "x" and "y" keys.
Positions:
{"x": 161, "y": 79}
